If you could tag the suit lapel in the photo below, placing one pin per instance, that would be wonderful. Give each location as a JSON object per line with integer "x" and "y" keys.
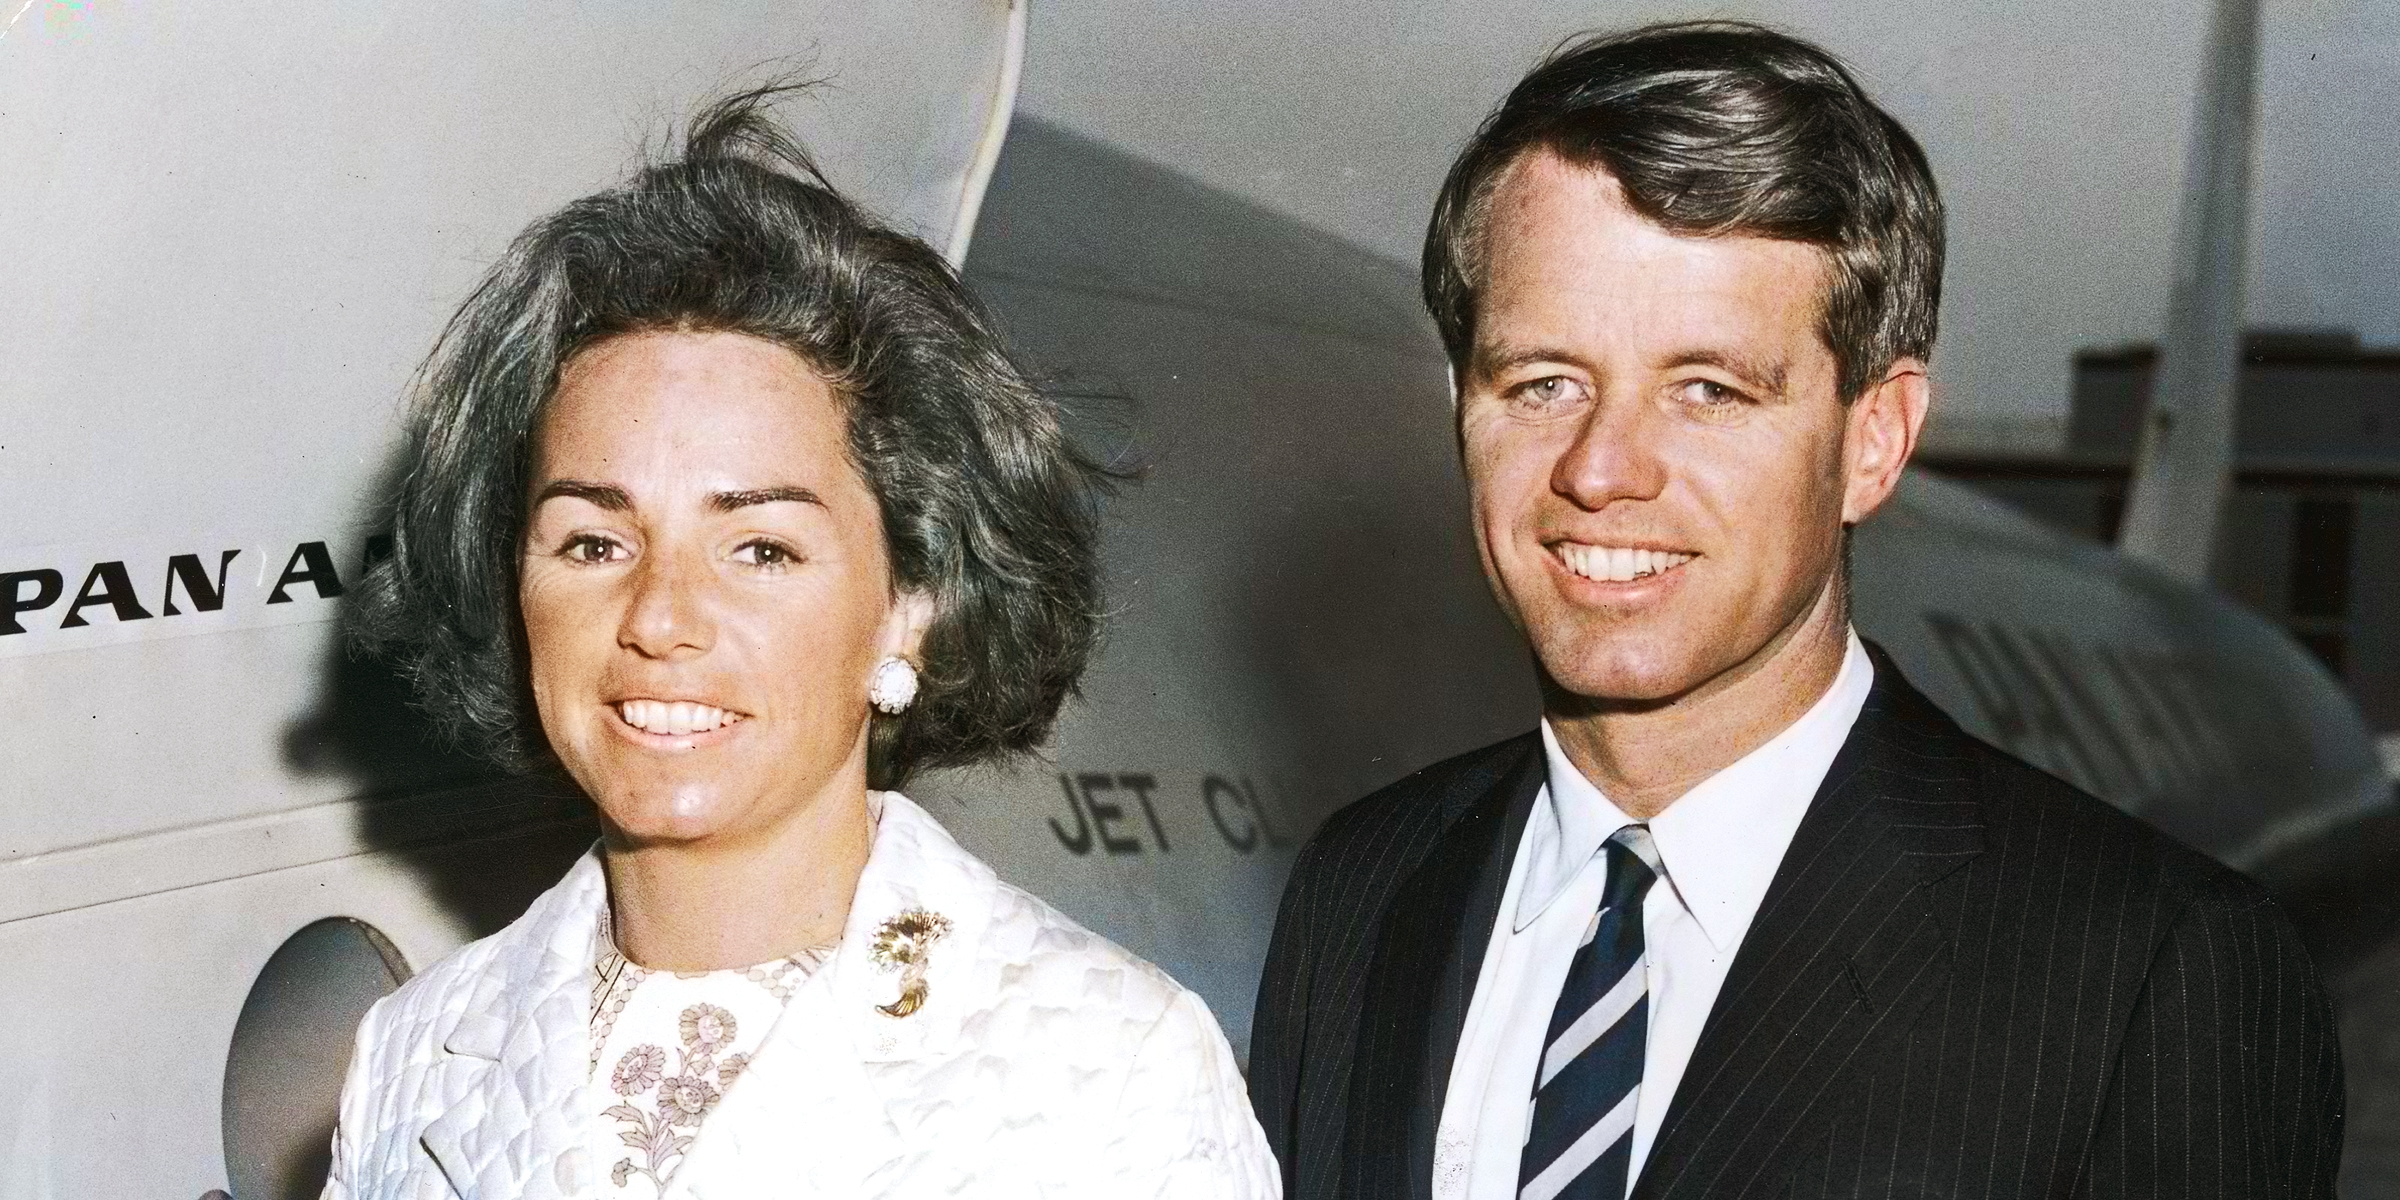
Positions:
{"x": 1429, "y": 951}
{"x": 1843, "y": 949}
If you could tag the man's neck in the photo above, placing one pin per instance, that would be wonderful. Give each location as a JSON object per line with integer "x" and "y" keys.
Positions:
{"x": 1645, "y": 757}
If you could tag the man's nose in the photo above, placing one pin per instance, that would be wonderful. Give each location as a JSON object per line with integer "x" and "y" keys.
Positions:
{"x": 668, "y": 614}
{"x": 1614, "y": 457}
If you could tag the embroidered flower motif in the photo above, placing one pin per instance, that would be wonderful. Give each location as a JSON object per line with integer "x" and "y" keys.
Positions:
{"x": 731, "y": 1069}
{"x": 639, "y": 1071}
{"x": 687, "y": 1098}
{"x": 624, "y": 1170}
{"x": 707, "y": 1029}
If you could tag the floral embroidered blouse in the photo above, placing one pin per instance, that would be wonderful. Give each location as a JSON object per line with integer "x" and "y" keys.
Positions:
{"x": 667, "y": 1046}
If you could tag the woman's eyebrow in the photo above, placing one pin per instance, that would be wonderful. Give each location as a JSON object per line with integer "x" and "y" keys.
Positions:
{"x": 729, "y": 501}
{"x": 606, "y": 495}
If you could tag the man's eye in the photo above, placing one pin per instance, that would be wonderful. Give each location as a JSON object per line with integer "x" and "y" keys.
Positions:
{"x": 1548, "y": 392}
{"x": 1708, "y": 393}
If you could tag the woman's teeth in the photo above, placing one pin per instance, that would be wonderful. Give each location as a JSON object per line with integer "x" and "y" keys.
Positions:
{"x": 1617, "y": 564}
{"x": 673, "y": 717}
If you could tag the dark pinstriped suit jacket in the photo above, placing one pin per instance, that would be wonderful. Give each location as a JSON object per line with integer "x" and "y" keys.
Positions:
{"x": 1968, "y": 979}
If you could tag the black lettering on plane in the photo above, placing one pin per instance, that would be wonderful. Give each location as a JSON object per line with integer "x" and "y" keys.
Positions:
{"x": 1266, "y": 819}
{"x": 2155, "y": 728}
{"x": 2054, "y": 656}
{"x": 1080, "y": 844}
{"x": 2170, "y": 689}
{"x": 1973, "y": 660}
{"x": 204, "y": 595}
{"x": 1141, "y": 786}
{"x": 311, "y": 564}
{"x": 2070, "y": 757}
{"x": 1105, "y": 812}
{"x": 14, "y": 602}
{"x": 107, "y": 584}
{"x": 1218, "y": 793}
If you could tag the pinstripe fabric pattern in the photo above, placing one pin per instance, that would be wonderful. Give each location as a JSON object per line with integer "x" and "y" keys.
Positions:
{"x": 1968, "y": 979}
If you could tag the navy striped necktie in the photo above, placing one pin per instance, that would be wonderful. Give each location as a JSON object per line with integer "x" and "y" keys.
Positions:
{"x": 1579, "y": 1143}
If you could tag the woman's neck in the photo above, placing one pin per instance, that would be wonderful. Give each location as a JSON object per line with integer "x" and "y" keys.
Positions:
{"x": 733, "y": 902}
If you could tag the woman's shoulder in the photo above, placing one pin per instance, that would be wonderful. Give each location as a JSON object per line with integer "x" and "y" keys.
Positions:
{"x": 1035, "y": 972}
{"x": 431, "y": 1006}
{"x": 1052, "y": 957}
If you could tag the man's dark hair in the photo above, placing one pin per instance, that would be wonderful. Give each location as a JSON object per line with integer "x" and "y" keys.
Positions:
{"x": 987, "y": 506}
{"x": 1719, "y": 128}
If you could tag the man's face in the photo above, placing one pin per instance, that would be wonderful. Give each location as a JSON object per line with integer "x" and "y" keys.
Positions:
{"x": 1658, "y": 461}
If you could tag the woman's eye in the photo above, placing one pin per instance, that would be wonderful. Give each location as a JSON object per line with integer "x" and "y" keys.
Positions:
{"x": 764, "y": 553}
{"x": 592, "y": 548}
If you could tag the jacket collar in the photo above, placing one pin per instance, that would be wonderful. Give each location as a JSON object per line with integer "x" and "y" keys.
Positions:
{"x": 1844, "y": 948}
{"x": 833, "y": 1095}
{"x": 520, "y": 1052}
{"x": 1896, "y": 813}
{"x": 1429, "y": 950}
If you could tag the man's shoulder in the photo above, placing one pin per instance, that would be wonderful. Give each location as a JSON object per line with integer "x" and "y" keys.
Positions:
{"x": 2039, "y": 827}
{"x": 1408, "y": 814}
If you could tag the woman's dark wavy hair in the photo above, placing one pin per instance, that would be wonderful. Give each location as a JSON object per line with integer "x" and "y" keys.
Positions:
{"x": 987, "y": 506}
{"x": 1718, "y": 128}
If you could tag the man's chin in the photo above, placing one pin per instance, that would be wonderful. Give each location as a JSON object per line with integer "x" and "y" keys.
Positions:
{"x": 1588, "y": 682}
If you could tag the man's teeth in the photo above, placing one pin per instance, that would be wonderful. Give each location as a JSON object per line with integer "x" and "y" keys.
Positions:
{"x": 673, "y": 717}
{"x": 1617, "y": 564}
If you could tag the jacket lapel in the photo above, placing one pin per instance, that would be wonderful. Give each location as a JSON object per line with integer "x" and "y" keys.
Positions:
{"x": 1429, "y": 951}
{"x": 1843, "y": 949}
{"x": 519, "y": 1057}
{"x": 839, "y": 1096}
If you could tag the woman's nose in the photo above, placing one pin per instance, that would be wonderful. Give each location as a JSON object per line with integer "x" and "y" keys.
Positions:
{"x": 667, "y": 614}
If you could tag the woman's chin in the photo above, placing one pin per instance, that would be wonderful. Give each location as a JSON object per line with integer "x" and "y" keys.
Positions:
{"x": 678, "y": 817}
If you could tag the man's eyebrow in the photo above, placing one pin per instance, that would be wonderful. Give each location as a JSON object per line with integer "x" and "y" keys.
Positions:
{"x": 1767, "y": 375}
{"x": 606, "y": 495}
{"x": 1498, "y": 359}
{"x": 729, "y": 501}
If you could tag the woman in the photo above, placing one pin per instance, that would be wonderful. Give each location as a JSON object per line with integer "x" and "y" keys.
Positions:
{"x": 738, "y": 494}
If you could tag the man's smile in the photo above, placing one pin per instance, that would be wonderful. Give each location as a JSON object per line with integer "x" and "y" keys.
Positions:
{"x": 1616, "y": 564}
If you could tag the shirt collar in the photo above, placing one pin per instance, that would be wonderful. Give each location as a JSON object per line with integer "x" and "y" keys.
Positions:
{"x": 1719, "y": 843}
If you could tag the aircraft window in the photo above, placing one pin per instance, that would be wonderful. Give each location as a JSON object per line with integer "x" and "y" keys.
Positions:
{"x": 283, "y": 1075}
{"x": 2319, "y": 596}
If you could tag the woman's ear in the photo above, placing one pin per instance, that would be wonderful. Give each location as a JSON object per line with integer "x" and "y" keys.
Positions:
{"x": 905, "y": 625}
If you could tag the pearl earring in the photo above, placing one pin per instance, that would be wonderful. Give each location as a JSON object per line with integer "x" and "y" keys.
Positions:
{"x": 893, "y": 685}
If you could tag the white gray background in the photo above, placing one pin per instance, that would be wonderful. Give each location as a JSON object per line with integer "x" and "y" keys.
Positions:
{"x": 2057, "y": 130}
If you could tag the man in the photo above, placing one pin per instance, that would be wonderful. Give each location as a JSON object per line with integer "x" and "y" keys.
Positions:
{"x": 1747, "y": 915}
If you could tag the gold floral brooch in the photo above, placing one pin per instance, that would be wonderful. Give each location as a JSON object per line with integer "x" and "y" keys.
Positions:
{"x": 900, "y": 945}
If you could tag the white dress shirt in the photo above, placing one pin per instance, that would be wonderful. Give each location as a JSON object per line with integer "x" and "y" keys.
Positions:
{"x": 1718, "y": 845}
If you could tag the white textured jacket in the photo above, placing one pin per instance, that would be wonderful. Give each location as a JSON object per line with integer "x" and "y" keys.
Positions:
{"x": 1044, "y": 1061}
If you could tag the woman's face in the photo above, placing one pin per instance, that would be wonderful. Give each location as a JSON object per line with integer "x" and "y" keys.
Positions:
{"x": 704, "y": 587}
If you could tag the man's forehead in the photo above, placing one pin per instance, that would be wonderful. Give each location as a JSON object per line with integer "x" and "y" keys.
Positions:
{"x": 1541, "y": 196}
{"x": 1565, "y": 259}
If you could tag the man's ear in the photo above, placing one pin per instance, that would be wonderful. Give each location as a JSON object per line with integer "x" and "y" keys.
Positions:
{"x": 1881, "y": 435}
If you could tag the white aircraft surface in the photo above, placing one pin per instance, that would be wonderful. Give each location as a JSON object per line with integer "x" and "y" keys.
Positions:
{"x": 235, "y": 229}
